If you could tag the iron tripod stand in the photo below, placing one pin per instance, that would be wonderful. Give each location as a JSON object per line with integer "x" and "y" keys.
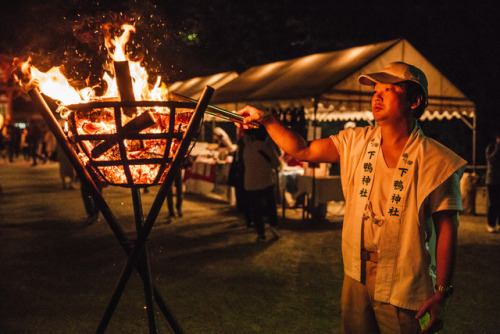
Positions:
{"x": 137, "y": 251}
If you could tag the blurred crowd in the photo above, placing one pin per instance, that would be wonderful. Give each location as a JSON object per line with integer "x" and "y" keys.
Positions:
{"x": 31, "y": 143}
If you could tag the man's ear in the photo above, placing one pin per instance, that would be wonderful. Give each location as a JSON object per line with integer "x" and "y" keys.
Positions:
{"x": 417, "y": 103}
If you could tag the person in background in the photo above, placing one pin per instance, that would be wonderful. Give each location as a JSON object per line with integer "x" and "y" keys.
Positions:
{"x": 223, "y": 148}
{"x": 493, "y": 183}
{"x": 222, "y": 138}
{"x": 91, "y": 207}
{"x": 236, "y": 179}
{"x": 24, "y": 145}
{"x": 401, "y": 187}
{"x": 33, "y": 140}
{"x": 260, "y": 160}
{"x": 49, "y": 147}
{"x": 186, "y": 163}
{"x": 66, "y": 170}
{"x": 225, "y": 145}
{"x": 12, "y": 138}
{"x": 178, "y": 194}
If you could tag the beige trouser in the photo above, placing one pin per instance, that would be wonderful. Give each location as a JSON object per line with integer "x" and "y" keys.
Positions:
{"x": 361, "y": 314}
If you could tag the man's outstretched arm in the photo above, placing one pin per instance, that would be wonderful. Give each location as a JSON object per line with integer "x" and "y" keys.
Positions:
{"x": 319, "y": 150}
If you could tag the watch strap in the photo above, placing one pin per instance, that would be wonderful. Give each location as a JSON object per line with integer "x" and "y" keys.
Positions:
{"x": 446, "y": 290}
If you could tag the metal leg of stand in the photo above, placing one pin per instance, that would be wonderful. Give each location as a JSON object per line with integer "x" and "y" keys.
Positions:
{"x": 135, "y": 254}
{"x": 172, "y": 321}
{"x": 148, "y": 285}
{"x": 143, "y": 264}
{"x": 149, "y": 294}
{"x": 132, "y": 262}
{"x": 113, "y": 302}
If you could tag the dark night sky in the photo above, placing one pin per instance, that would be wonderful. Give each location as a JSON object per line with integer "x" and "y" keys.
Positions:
{"x": 460, "y": 38}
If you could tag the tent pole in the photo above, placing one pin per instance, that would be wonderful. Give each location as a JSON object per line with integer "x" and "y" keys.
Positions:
{"x": 474, "y": 120}
{"x": 313, "y": 197}
{"x": 473, "y": 128}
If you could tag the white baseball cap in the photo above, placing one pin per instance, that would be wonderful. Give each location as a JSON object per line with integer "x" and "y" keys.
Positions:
{"x": 396, "y": 72}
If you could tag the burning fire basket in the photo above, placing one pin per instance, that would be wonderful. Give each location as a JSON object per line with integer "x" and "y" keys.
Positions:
{"x": 130, "y": 157}
{"x": 127, "y": 156}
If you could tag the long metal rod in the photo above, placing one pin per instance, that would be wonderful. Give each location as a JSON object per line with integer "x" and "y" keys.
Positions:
{"x": 219, "y": 112}
{"x": 157, "y": 204}
{"x": 85, "y": 177}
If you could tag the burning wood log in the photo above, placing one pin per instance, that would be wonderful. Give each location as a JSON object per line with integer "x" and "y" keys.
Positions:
{"x": 124, "y": 84}
{"x": 136, "y": 125}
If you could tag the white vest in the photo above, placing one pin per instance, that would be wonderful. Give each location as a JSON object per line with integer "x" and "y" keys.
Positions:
{"x": 403, "y": 276}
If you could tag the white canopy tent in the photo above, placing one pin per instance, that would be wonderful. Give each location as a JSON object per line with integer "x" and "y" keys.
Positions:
{"x": 193, "y": 87}
{"x": 326, "y": 85}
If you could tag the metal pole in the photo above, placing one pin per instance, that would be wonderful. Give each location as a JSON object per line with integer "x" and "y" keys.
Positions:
{"x": 473, "y": 128}
{"x": 474, "y": 142}
{"x": 314, "y": 214}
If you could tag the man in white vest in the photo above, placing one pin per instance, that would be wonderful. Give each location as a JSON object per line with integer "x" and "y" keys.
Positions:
{"x": 401, "y": 189}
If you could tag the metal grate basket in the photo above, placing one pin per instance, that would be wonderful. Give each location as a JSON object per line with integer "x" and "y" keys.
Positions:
{"x": 132, "y": 143}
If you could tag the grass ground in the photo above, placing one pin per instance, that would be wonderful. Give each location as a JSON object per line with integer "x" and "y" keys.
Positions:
{"x": 58, "y": 273}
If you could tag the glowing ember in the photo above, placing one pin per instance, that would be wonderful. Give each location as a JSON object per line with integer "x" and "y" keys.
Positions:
{"x": 101, "y": 122}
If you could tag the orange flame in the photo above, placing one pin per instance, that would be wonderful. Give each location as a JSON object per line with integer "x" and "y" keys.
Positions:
{"x": 102, "y": 120}
{"x": 55, "y": 85}
{"x": 118, "y": 43}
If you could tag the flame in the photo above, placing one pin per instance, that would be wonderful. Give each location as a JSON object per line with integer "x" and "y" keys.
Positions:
{"x": 118, "y": 43}
{"x": 102, "y": 120}
{"x": 55, "y": 85}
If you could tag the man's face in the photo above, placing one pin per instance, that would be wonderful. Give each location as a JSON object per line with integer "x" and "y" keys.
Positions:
{"x": 389, "y": 103}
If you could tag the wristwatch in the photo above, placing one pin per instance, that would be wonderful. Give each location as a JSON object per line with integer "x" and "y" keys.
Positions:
{"x": 446, "y": 290}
